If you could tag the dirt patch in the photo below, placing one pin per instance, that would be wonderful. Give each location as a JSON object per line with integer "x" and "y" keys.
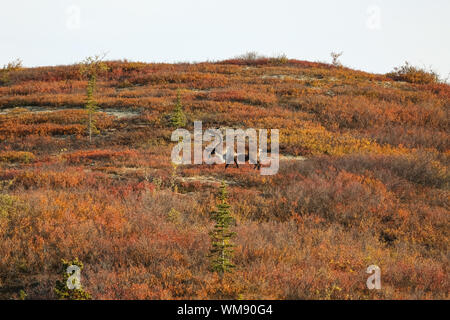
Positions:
{"x": 205, "y": 180}
{"x": 297, "y": 77}
{"x": 293, "y": 158}
{"x": 118, "y": 113}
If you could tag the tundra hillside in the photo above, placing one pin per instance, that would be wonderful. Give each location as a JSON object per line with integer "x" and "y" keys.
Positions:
{"x": 363, "y": 181}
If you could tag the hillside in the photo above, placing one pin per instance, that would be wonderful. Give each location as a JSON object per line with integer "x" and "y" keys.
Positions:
{"x": 363, "y": 180}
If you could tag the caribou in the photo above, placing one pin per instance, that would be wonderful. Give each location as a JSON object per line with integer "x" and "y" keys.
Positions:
{"x": 254, "y": 153}
{"x": 231, "y": 153}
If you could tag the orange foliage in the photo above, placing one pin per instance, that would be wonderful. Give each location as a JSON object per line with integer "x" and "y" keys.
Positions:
{"x": 372, "y": 190}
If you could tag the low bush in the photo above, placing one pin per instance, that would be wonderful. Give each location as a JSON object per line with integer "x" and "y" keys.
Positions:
{"x": 16, "y": 156}
{"x": 411, "y": 74}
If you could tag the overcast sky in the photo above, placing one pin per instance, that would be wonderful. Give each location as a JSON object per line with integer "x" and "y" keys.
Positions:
{"x": 374, "y": 35}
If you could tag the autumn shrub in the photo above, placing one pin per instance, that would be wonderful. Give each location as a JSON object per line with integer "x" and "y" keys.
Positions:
{"x": 422, "y": 168}
{"x": 241, "y": 95}
{"x": 317, "y": 140}
{"x": 16, "y": 156}
{"x": 41, "y": 130}
{"x": 411, "y": 137}
{"x": 97, "y": 155}
{"x": 413, "y": 74}
{"x": 53, "y": 179}
{"x": 250, "y": 56}
{"x": 280, "y": 59}
{"x": 8, "y": 69}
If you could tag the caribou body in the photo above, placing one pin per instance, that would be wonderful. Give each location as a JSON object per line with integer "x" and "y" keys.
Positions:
{"x": 230, "y": 153}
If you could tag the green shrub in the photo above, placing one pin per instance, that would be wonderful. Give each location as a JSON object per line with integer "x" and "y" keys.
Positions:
{"x": 62, "y": 290}
{"x": 16, "y": 156}
{"x": 174, "y": 216}
{"x": 6, "y": 205}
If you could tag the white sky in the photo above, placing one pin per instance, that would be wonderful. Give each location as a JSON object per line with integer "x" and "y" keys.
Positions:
{"x": 374, "y": 35}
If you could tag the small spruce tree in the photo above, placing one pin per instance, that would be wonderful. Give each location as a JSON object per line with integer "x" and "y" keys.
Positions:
{"x": 178, "y": 118}
{"x": 221, "y": 251}
{"x": 90, "y": 68}
{"x": 62, "y": 290}
{"x": 173, "y": 178}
